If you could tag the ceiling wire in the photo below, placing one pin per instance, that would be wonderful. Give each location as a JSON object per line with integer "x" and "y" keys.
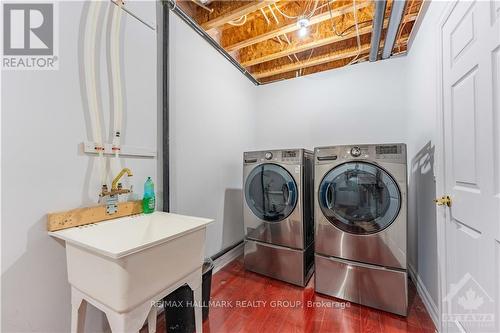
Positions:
{"x": 265, "y": 16}
{"x": 238, "y": 22}
{"x": 287, "y": 40}
{"x": 314, "y": 9}
{"x": 290, "y": 43}
{"x": 308, "y": 58}
{"x": 310, "y": 54}
{"x": 308, "y": 4}
{"x": 306, "y": 9}
{"x": 357, "y": 25}
{"x": 344, "y": 33}
{"x": 129, "y": 12}
{"x": 285, "y": 15}
{"x": 274, "y": 15}
{"x": 326, "y": 4}
{"x": 334, "y": 26}
{"x": 358, "y": 38}
{"x": 279, "y": 40}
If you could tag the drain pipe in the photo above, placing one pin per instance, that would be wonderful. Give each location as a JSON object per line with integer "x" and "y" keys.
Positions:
{"x": 398, "y": 8}
{"x": 378, "y": 22}
{"x": 91, "y": 77}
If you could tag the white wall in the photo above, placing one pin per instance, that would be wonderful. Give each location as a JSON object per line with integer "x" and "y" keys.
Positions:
{"x": 43, "y": 122}
{"x": 364, "y": 103}
{"x": 421, "y": 123}
{"x": 212, "y": 122}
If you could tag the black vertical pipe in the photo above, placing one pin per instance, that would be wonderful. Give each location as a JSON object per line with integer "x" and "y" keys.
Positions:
{"x": 165, "y": 118}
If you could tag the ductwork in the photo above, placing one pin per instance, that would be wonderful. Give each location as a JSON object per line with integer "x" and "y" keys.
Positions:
{"x": 397, "y": 10}
{"x": 378, "y": 22}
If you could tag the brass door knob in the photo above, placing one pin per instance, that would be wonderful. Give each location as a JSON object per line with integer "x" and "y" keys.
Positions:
{"x": 445, "y": 200}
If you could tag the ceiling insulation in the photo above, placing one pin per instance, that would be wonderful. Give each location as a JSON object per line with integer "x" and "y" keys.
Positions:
{"x": 264, "y": 37}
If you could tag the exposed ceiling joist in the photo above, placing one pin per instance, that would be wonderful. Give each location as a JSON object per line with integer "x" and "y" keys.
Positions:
{"x": 323, "y": 59}
{"x": 236, "y": 14}
{"x": 312, "y": 62}
{"x": 294, "y": 27}
{"x": 312, "y": 44}
{"x": 302, "y": 47}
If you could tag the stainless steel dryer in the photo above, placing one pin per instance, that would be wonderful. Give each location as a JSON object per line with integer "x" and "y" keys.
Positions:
{"x": 361, "y": 224}
{"x": 278, "y": 214}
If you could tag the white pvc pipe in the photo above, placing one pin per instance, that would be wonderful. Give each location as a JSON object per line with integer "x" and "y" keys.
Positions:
{"x": 88, "y": 57}
{"x": 90, "y": 48}
{"x": 116, "y": 81}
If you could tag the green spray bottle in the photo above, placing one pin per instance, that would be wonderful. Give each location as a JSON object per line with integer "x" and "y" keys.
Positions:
{"x": 148, "y": 201}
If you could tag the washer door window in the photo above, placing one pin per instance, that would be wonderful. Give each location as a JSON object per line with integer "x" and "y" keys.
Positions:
{"x": 359, "y": 198}
{"x": 271, "y": 192}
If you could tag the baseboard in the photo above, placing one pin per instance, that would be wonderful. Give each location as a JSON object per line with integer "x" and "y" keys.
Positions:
{"x": 425, "y": 296}
{"x": 227, "y": 257}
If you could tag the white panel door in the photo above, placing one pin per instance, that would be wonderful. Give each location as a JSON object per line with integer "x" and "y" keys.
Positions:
{"x": 470, "y": 45}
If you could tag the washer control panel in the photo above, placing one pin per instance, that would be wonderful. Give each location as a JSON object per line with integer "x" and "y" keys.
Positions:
{"x": 292, "y": 156}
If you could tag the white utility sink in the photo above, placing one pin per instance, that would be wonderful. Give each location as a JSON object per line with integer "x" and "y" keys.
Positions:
{"x": 123, "y": 265}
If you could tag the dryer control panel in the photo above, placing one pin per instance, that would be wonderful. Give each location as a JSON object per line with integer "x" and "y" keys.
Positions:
{"x": 395, "y": 153}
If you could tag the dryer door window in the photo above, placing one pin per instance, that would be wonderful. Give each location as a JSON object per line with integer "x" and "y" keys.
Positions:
{"x": 359, "y": 198}
{"x": 271, "y": 192}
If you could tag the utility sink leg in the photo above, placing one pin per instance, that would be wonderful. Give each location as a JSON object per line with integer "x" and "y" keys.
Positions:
{"x": 78, "y": 312}
{"x": 198, "y": 309}
{"x": 132, "y": 321}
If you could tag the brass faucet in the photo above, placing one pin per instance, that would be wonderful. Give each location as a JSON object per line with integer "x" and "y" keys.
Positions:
{"x": 116, "y": 188}
{"x": 115, "y": 184}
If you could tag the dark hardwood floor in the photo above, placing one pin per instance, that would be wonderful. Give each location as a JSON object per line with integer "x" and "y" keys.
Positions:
{"x": 234, "y": 289}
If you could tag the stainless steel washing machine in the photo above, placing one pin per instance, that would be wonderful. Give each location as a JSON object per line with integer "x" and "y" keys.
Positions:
{"x": 361, "y": 224}
{"x": 278, "y": 214}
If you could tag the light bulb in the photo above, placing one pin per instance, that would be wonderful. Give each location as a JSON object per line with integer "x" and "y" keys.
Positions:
{"x": 302, "y": 23}
{"x": 303, "y": 32}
